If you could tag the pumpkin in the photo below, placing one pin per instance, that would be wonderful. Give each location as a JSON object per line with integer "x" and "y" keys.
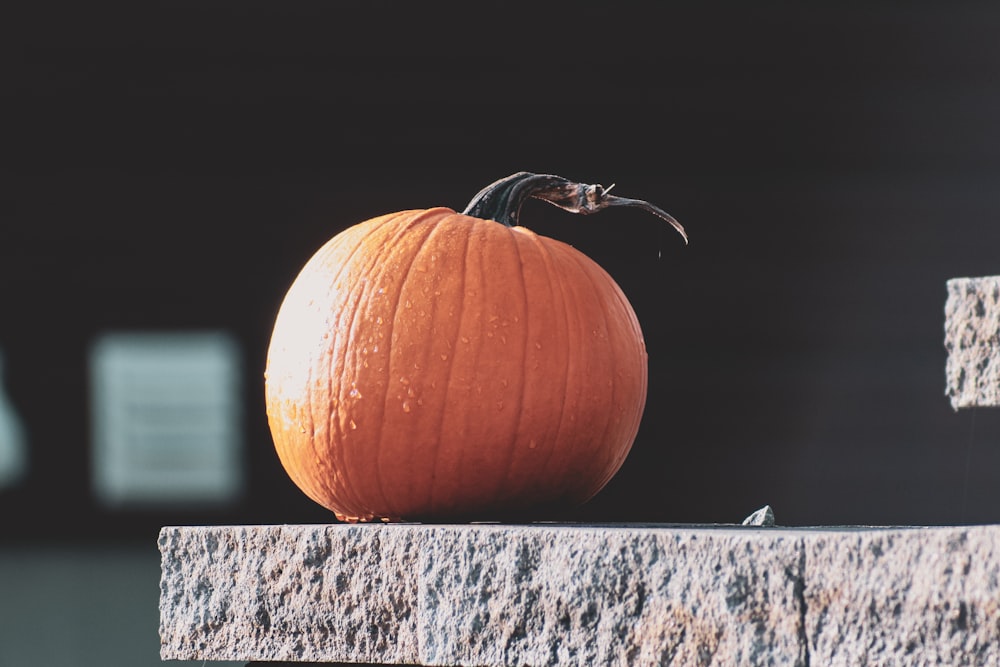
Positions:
{"x": 430, "y": 365}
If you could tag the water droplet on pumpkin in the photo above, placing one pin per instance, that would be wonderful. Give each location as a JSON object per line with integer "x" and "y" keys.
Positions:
{"x": 410, "y": 392}
{"x": 406, "y": 406}
{"x": 404, "y": 381}
{"x": 408, "y": 304}
{"x": 465, "y": 339}
{"x": 354, "y": 393}
{"x": 503, "y": 339}
{"x": 444, "y": 357}
{"x": 538, "y": 346}
{"x": 352, "y": 425}
{"x": 378, "y": 320}
{"x": 375, "y": 349}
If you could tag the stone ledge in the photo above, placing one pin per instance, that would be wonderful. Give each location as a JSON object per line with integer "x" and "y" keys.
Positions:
{"x": 540, "y": 594}
{"x": 972, "y": 340}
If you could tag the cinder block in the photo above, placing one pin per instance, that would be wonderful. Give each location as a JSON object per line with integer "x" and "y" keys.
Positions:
{"x": 972, "y": 339}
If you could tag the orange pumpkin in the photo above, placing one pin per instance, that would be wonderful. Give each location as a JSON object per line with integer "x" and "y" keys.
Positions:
{"x": 432, "y": 365}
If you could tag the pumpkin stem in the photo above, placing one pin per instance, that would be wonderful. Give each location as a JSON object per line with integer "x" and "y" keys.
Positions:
{"x": 501, "y": 200}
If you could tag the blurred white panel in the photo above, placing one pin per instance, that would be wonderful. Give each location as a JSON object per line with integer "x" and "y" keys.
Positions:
{"x": 166, "y": 418}
{"x": 13, "y": 444}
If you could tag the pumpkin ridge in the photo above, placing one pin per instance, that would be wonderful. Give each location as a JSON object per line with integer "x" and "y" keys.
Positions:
{"x": 496, "y": 237}
{"x": 626, "y": 307}
{"x": 514, "y": 237}
{"x": 555, "y": 285}
{"x": 478, "y": 239}
{"x": 636, "y": 327}
{"x": 335, "y": 486}
{"x": 594, "y": 272}
{"x": 348, "y": 494}
{"x": 321, "y": 488}
{"x": 379, "y": 451}
{"x": 581, "y": 435}
{"x": 318, "y": 479}
{"x": 573, "y": 321}
{"x": 481, "y": 237}
{"x": 587, "y": 268}
{"x": 451, "y": 367}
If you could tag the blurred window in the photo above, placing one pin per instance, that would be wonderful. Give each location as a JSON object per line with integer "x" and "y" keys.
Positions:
{"x": 166, "y": 418}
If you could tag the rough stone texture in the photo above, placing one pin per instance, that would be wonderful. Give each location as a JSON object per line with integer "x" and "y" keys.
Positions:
{"x": 920, "y": 597}
{"x": 569, "y": 595}
{"x": 608, "y": 596}
{"x": 288, "y": 593}
{"x": 972, "y": 339}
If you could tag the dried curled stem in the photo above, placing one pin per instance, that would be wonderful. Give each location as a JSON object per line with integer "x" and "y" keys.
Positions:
{"x": 502, "y": 200}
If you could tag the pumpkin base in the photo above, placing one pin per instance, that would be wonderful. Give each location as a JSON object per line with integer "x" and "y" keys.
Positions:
{"x": 343, "y": 518}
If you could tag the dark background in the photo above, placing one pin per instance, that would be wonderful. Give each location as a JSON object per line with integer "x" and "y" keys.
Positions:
{"x": 170, "y": 166}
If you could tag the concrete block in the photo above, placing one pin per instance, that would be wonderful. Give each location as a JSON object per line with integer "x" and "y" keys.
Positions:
{"x": 543, "y": 594}
{"x": 972, "y": 340}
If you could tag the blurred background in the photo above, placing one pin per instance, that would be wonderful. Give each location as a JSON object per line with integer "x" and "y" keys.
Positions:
{"x": 168, "y": 167}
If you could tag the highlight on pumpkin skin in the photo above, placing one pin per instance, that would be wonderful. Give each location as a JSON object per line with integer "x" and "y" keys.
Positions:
{"x": 501, "y": 201}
